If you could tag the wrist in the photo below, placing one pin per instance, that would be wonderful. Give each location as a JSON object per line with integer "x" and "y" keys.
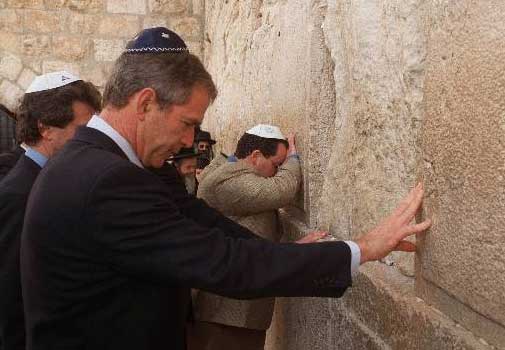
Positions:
{"x": 364, "y": 251}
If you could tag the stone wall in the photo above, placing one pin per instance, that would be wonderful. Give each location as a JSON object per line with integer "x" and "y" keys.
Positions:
{"x": 381, "y": 93}
{"x": 82, "y": 36}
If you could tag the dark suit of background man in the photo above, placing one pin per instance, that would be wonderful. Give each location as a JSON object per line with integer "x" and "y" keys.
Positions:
{"x": 49, "y": 113}
{"x": 9, "y": 152}
{"x": 104, "y": 241}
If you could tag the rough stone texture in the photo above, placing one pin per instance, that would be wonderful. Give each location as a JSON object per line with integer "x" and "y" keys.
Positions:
{"x": 127, "y": 6}
{"x": 108, "y": 50}
{"x": 119, "y": 26}
{"x": 198, "y": 7}
{"x": 150, "y": 22}
{"x": 26, "y": 78}
{"x": 10, "y": 94}
{"x": 70, "y": 48}
{"x": 11, "y": 20}
{"x": 10, "y": 42}
{"x": 33, "y": 4}
{"x": 10, "y": 66}
{"x": 168, "y": 6}
{"x": 189, "y": 27}
{"x": 36, "y": 45}
{"x": 52, "y": 66}
{"x": 87, "y": 5}
{"x": 83, "y": 36}
{"x": 462, "y": 265}
{"x": 82, "y": 23}
{"x": 38, "y": 21}
{"x": 349, "y": 78}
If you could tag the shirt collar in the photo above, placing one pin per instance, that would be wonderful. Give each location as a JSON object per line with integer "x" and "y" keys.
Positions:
{"x": 96, "y": 122}
{"x": 232, "y": 159}
{"x": 37, "y": 157}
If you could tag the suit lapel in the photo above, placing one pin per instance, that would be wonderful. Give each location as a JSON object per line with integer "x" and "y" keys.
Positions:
{"x": 99, "y": 139}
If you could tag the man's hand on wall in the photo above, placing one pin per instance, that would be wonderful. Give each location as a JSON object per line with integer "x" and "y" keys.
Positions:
{"x": 312, "y": 237}
{"x": 390, "y": 234}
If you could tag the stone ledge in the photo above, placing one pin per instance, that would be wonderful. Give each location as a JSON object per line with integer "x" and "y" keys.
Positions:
{"x": 480, "y": 324}
{"x": 383, "y": 305}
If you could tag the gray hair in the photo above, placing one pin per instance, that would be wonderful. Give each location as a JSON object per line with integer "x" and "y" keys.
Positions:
{"x": 171, "y": 75}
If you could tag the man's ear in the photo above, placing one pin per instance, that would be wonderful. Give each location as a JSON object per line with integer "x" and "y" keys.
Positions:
{"x": 45, "y": 131}
{"x": 145, "y": 101}
{"x": 255, "y": 156}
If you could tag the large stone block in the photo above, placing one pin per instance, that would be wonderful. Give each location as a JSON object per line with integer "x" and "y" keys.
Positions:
{"x": 26, "y": 78}
{"x": 11, "y": 20}
{"x": 127, "y": 6}
{"x": 81, "y": 23}
{"x": 108, "y": 50}
{"x": 54, "y": 4}
{"x": 119, "y": 26}
{"x": 462, "y": 265}
{"x": 10, "y": 94}
{"x": 151, "y": 22}
{"x": 10, "y": 66}
{"x": 198, "y": 7}
{"x": 36, "y": 45}
{"x": 54, "y": 65}
{"x": 10, "y": 41}
{"x": 69, "y": 48}
{"x": 43, "y": 21}
{"x": 187, "y": 27}
{"x": 29, "y": 4}
{"x": 95, "y": 73}
{"x": 86, "y": 5}
{"x": 168, "y": 6}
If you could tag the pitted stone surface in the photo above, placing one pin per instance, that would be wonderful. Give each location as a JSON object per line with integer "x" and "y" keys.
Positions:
{"x": 464, "y": 149}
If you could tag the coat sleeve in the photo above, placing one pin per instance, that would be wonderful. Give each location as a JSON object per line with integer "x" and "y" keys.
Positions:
{"x": 139, "y": 232}
{"x": 249, "y": 194}
{"x": 196, "y": 209}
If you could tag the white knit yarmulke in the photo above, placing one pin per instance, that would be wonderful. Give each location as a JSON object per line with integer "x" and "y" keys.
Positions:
{"x": 51, "y": 81}
{"x": 266, "y": 131}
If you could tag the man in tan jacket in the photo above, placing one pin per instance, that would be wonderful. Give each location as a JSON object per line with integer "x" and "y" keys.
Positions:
{"x": 263, "y": 176}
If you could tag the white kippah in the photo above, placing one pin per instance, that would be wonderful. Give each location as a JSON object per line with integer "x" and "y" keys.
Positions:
{"x": 266, "y": 131}
{"x": 50, "y": 81}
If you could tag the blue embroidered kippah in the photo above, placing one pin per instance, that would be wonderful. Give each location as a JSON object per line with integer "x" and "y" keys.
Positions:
{"x": 155, "y": 40}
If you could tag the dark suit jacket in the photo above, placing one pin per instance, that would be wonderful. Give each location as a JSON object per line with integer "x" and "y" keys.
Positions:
{"x": 9, "y": 159}
{"x": 14, "y": 191}
{"x": 104, "y": 243}
{"x": 195, "y": 209}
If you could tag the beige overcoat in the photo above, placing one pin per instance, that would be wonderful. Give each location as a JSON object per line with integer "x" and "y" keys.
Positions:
{"x": 235, "y": 190}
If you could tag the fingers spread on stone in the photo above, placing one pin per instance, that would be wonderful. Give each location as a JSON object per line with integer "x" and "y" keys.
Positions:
{"x": 414, "y": 205}
{"x": 417, "y": 228}
{"x": 404, "y": 203}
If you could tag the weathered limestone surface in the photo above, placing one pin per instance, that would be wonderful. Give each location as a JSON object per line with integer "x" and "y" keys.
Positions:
{"x": 462, "y": 267}
{"x": 83, "y": 36}
{"x": 349, "y": 78}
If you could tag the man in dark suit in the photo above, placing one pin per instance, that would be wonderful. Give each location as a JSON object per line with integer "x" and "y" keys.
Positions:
{"x": 49, "y": 115}
{"x": 9, "y": 159}
{"x": 104, "y": 244}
